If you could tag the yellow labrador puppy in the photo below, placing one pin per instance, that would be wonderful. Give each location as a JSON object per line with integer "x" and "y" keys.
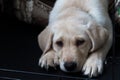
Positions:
{"x": 78, "y": 36}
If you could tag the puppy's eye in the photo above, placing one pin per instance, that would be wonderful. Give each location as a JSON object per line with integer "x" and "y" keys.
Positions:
{"x": 59, "y": 43}
{"x": 79, "y": 42}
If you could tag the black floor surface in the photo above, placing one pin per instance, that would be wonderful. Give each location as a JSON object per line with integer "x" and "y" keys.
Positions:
{"x": 19, "y": 55}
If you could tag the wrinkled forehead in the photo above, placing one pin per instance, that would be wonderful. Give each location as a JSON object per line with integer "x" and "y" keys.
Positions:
{"x": 68, "y": 31}
{"x": 68, "y": 27}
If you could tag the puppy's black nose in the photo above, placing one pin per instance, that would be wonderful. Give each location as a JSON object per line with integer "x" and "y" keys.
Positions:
{"x": 70, "y": 66}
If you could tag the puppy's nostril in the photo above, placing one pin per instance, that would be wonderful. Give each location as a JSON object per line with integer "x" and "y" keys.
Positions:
{"x": 70, "y": 66}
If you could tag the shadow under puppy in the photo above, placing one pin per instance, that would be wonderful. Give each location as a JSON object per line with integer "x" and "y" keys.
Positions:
{"x": 78, "y": 36}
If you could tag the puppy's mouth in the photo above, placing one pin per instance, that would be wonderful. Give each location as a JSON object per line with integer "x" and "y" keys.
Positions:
{"x": 69, "y": 66}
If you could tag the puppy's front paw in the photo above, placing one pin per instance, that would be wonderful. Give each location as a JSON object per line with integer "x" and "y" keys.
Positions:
{"x": 93, "y": 66}
{"x": 49, "y": 59}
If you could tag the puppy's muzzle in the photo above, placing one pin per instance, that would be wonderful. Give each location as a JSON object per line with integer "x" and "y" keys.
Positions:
{"x": 70, "y": 66}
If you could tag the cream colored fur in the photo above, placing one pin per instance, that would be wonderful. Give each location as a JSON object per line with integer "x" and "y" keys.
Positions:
{"x": 84, "y": 21}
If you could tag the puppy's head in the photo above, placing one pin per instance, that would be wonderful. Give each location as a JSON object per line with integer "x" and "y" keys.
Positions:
{"x": 73, "y": 42}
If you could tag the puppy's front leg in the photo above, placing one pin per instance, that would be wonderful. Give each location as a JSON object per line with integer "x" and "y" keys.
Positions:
{"x": 49, "y": 59}
{"x": 94, "y": 64}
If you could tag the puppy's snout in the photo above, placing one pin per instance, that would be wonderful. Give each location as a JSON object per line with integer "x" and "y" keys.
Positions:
{"x": 70, "y": 66}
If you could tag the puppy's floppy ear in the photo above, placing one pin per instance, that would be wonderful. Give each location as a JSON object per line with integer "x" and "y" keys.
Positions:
{"x": 45, "y": 40}
{"x": 98, "y": 35}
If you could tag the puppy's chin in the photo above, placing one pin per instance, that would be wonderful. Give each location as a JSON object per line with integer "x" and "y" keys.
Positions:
{"x": 64, "y": 70}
